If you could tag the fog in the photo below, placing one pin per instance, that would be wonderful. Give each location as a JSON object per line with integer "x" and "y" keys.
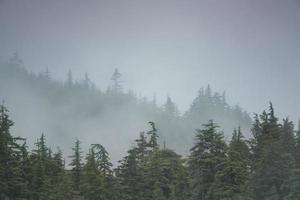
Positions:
{"x": 162, "y": 48}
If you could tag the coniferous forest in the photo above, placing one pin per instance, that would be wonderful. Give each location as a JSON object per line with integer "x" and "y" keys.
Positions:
{"x": 149, "y": 100}
{"x": 72, "y": 108}
{"x": 266, "y": 166}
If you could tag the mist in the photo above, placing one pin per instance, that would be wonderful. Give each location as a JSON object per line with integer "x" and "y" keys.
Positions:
{"x": 149, "y": 100}
{"x": 164, "y": 47}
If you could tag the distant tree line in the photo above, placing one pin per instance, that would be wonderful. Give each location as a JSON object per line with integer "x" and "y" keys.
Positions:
{"x": 265, "y": 167}
{"x": 82, "y": 104}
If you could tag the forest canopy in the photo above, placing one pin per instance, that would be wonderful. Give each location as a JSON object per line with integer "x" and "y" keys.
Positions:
{"x": 266, "y": 166}
{"x": 78, "y": 108}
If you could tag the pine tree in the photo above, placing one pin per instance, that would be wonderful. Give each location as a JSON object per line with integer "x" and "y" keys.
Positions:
{"x": 274, "y": 163}
{"x": 116, "y": 82}
{"x": 102, "y": 159}
{"x": 232, "y": 181}
{"x": 141, "y": 146}
{"x": 129, "y": 176}
{"x": 104, "y": 167}
{"x": 153, "y": 143}
{"x": 204, "y": 161}
{"x": 12, "y": 183}
{"x": 76, "y": 164}
{"x": 170, "y": 107}
{"x": 92, "y": 181}
{"x": 26, "y": 169}
{"x": 41, "y": 184}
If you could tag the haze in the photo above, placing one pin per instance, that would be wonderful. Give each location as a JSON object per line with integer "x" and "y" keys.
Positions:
{"x": 248, "y": 48}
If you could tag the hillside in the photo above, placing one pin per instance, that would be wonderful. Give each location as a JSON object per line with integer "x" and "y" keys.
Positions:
{"x": 78, "y": 109}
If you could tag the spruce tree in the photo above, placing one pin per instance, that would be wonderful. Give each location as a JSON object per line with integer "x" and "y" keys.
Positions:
{"x": 141, "y": 146}
{"x": 129, "y": 176}
{"x": 105, "y": 172}
{"x": 274, "y": 163}
{"x": 92, "y": 181}
{"x": 12, "y": 183}
{"x": 153, "y": 141}
{"x": 116, "y": 82}
{"x": 76, "y": 164}
{"x": 208, "y": 153}
{"x": 41, "y": 185}
{"x": 170, "y": 107}
{"x": 232, "y": 181}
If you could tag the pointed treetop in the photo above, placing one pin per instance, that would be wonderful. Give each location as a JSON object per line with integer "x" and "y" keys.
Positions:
{"x": 116, "y": 81}
{"x": 208, "y": 91}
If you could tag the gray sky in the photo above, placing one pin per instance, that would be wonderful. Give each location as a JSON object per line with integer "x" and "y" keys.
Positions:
{"x": 251, "y": 49}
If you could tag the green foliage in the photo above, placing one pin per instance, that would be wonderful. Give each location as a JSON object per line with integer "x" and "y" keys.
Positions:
{"x": 264, "y": 168}
{"x": 207, "y": 155}
{"x": 12, "y": 158}
{"x": 232, "y": 180}
{"x": 76, "y": 164}
{"x": 274, "y": 161}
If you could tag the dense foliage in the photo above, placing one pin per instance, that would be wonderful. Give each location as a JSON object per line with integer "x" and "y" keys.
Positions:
{"x": 266, "y": 167}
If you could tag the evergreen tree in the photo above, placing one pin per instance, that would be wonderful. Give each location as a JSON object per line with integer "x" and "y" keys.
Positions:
{"x": 76, "y": 164}
{"x": 104, "y": 167}
{"x": 170, "y": 107}
{"x": 274, "y": 163}
{"x": 129, "y": 176}
{"x": 141, "y": 148}
{"x": 205, "y": 159}
{"x": 92, "y": 181}
{"x": 12, "y": 183}
{"x": 116, "y": 82}
{"x": 232, "y": 181}
{"x": 102, "y": 158}
{"x": 153, "y": 143}
{"x": 41, "y": 185}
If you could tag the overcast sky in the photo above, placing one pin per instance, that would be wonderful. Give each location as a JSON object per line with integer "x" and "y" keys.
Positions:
{"x": 250, "y": 48}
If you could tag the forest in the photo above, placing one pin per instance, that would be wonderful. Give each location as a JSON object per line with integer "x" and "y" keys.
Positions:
{"x": 73, "y": 108}
{"x": 264, "y": 167}
{"x": 149, "y": 100}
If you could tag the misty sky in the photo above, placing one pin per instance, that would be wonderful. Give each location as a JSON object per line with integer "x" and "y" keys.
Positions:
{"x": 250, "y": 48}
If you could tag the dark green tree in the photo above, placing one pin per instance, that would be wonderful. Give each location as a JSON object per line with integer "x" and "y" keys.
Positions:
{"x": 232, "y": 181}
{"x": 130, "y": 178}
{"x": 153, "y": 141}
{"x": 41, "y": 185}
{"x": 92, "y": 181}
{"x": 76, "y": 164}
{"x": 204, "y": 161}
{"x": 273, "y": 163}
{"x": 105, "y": 172}
{"x": 12, "y": 183}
